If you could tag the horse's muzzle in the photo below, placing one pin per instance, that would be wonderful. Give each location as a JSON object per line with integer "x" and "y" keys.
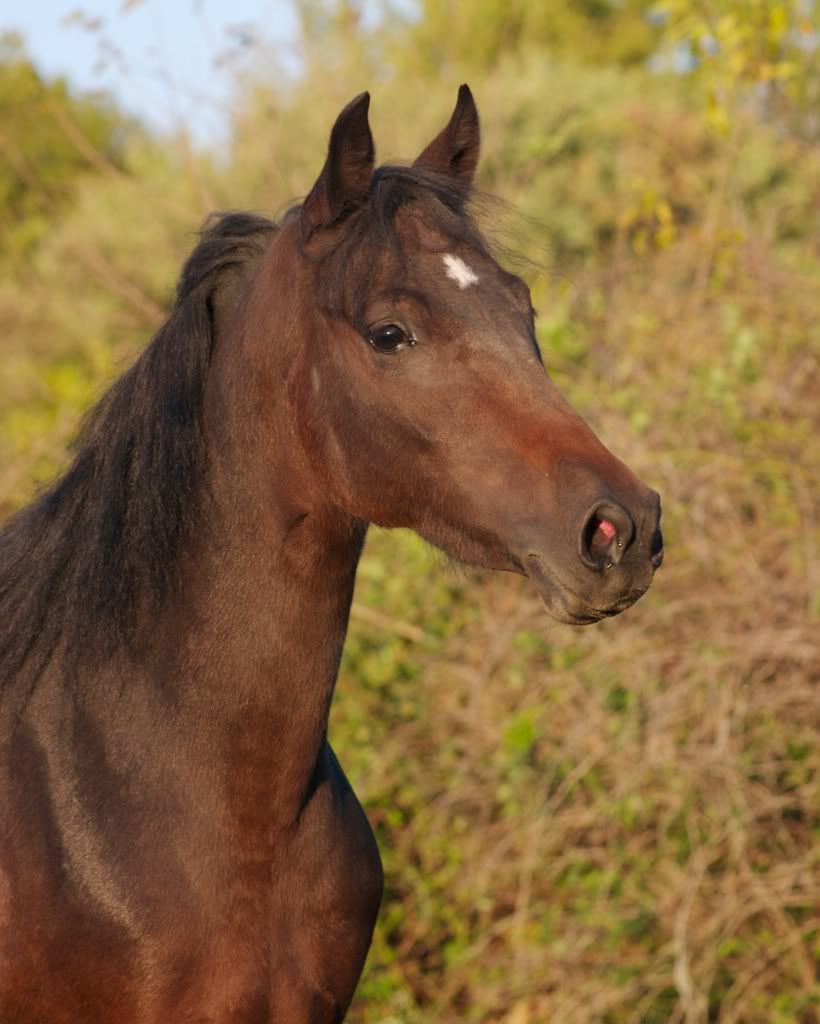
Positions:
{"x": 618, "y": 552}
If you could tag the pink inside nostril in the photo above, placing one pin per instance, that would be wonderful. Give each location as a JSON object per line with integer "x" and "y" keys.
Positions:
{"x": 606, "y": 528}
{"x": 604, "y": 539}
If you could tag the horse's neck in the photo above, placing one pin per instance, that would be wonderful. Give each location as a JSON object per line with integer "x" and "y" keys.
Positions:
{"x": 256, "y": 642}
{"x": 269, "y": 579}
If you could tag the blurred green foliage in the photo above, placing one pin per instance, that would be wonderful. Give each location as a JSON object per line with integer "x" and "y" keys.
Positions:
{"x": 47, "y": 140}
{"x": 595, "y": 826}
{"x": 476, "y": 37}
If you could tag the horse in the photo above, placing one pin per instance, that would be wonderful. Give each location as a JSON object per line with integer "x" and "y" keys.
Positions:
{"x": 178, "y": 842}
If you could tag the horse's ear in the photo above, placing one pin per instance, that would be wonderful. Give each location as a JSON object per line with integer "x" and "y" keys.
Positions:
{"x": 345, "y": 179}
{"x": 455, "y": 150}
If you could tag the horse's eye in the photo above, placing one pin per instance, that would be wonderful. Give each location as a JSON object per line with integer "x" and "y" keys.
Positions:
{"x": 389, "y": 338}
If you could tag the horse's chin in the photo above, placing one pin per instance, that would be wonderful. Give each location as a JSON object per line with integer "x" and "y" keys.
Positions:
{"x": 564, "y": 605}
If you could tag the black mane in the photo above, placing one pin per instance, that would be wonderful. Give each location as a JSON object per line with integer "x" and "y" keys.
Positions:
{"x": 103, "y": 540}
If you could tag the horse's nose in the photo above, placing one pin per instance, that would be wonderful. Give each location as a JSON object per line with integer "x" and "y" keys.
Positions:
{"x": 607, "y": 531}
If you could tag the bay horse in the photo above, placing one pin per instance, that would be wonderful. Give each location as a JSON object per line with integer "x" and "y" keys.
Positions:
{"x": 178, "y": 843}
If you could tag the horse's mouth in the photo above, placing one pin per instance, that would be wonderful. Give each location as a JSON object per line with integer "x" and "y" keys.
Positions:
{"x": 565, "y": 605}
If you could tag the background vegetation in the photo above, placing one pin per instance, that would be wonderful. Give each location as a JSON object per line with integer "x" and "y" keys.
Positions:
{"x": 617, "y": 824}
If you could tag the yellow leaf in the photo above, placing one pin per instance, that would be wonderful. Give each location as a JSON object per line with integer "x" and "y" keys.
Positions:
{"x": 663, "y": 211}
{"x": 778, "y": 21}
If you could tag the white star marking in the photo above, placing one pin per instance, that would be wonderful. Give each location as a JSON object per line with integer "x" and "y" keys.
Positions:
{"x": 458, "y": 271}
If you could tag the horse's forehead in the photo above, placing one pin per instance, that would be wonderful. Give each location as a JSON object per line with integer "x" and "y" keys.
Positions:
{"x": 417, "y": 230}
{"x": 436, "y": 258}
{"x": 444, "y": 265}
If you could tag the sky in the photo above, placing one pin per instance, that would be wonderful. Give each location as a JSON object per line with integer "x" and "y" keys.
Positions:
{"x": 173, "y": 63}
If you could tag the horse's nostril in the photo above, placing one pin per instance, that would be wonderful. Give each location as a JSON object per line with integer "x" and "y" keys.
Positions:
{"x": 606, "y": 529}
{"x": 656, "y": 551}
{"x": 607, "y": 533}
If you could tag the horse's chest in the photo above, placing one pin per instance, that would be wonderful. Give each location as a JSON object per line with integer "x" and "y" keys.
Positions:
{"x": 186, "y": 901}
